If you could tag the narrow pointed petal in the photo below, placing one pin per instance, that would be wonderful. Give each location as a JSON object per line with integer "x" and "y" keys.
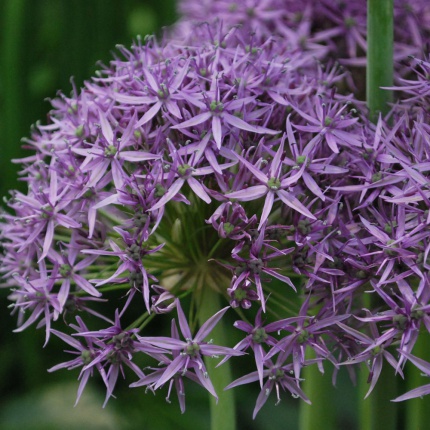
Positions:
{"x": 196, "y": 120}
{"x": 294, "y": 203}
{"x": 417, "y": 392}
{"x": 183, "y": 323}
{"x": 217, "y": 130}
{"x": 173, "y": 190}
{"x": 240, "y": 123}
{"x": 149, "y": 115}
{"x": 171, "y": 370}
{"x": 247, "y": 194}
{"x": 209, "y": 325}
{"x": 268, "y": 204}
{"x": 197, "y": 187}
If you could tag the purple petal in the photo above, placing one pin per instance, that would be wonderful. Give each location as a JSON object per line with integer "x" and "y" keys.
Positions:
{"x": 209, "y": 325}
{"x": 205, "y": 381}
{"x": 106, "y": 128}
{"x": 164, "y": 342}
{"x": 49, "y": 235}
{"x": 424, "y": 366}
{"x": 137, "y": 156}
{"x": 417, "y": 392}
{"x": 86, "y": 286}
{"x": 112, "y": 199}
{"x": 183, "y": 323}
{"x": 149, "y": 115}
{"x": 173, "y": 190}
{"x": 247, "y": 379}
{"x": 376, "y": 371}
{"x": 217, "y": 130}
{"x": 173, "y": 109}
{"x": 240, "y": 123}
{"x": 196, "y": 120}
{"x": 312, "y": 185}
{"x": 171, "y": 370}
{"x": 262, "y": 397}
{"x": 294, "y": 203}
{"x": 250, "y": 193}
{"x": 256, "y": 172}
{"x": 197, "y": 187}
{"x": 268, "y": 204}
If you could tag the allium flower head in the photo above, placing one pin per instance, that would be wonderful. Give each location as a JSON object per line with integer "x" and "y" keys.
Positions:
{"x": 232, "y": 160}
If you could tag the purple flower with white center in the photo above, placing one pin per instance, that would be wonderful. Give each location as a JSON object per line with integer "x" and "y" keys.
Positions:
{"x": 374, "y": 351}
{"x": 273, "y": 185}
{"x": 131, "y": 260}
{"x": 177, "y": 380}
{"x": 85, "y": 353}
{"x": 162, "y": 92}
{"x": 305, "y": 167}
{"x": 307, "y": 332}
{"x": 258, "y": 335}
{"x": 223, "y": 113}
{"x": 405, "y": 320}
{"x": 69, "y": 272}
{"x": 191, "y": 350}
{"x": 254, "y": 266}
{"x": 46, "y": 212}
{"x": 279, "y": 376}
{"x": 183, "y": 171}
{"x": 329, "y": 123}
{"x": 108, "y": 152}
{"x": 115, "y": 349}
{"x": 36, "y": 296}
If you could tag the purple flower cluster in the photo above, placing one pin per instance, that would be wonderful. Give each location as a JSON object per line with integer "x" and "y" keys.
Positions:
{"x": 226, "y": 159}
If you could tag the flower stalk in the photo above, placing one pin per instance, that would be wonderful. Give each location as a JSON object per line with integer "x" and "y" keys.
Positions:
{"x": 321, "y": 413}
{"x": 379, "y": 56}
{"x": 222, "y": 410}
{"x": 378, "y": 408}
{"x": 379, "y": 74}
{"x": 418, "y": 410}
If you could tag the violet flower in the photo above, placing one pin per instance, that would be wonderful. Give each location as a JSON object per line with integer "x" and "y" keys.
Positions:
{"x": 188, "y": 353}
{"x": 231, "y": 160}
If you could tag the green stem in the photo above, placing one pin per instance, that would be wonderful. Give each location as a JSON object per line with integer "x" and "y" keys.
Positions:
{"x": 418, "y": 410}
{"x": 377, "y": 408}
{"x": 377, "y": 411}
{"x": 379, "y": 56}
{"x": 321, "y": 414}
{"x": 223, "y": 413}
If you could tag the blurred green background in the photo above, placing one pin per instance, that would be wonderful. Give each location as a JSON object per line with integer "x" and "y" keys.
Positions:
{"x": 43, "y": 43}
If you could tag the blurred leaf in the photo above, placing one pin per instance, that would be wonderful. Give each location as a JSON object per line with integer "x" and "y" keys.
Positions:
{"x": 142, "y": 21}
{"x": 51, "y": 409}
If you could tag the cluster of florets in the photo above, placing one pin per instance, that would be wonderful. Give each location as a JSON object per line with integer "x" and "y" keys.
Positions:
{"x": 340, "y": 25}
{"x": 227, "y": 160}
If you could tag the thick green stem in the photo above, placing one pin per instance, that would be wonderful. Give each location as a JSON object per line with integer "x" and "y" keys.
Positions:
{"x": 379, "y": 56}
{"x": 223, "y": 414}
{"x": 321, "y": 414}
{"x": 418, "y": 410}
{"x": 377, "y": 411}
{"x": 377, "y": 408}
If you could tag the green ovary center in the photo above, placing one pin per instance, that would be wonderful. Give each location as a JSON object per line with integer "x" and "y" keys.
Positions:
{"x": 192, "y": 349}
{"x": 274, "y": 184}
